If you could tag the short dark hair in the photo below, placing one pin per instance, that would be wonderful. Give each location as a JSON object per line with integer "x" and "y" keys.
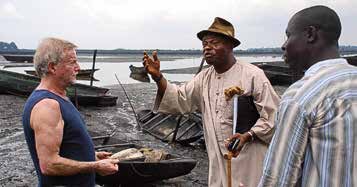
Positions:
{"x": 323, "y": 18}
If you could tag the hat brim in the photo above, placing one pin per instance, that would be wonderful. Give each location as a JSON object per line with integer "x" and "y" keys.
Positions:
{"x": 203, "y": 33}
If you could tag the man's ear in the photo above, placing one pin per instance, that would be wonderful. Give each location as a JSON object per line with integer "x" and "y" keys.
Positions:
{"x": 312, "y": 34}
{"x": 51, "y": 67}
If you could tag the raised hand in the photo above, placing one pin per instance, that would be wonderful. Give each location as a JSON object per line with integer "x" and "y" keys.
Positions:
{"x": 152, "y": 65}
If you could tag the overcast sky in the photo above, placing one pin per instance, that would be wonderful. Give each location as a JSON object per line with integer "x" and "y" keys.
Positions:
{"x": 157, "y": 24}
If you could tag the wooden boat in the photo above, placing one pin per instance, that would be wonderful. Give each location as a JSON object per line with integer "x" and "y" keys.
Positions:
{"x": 351, "y": 60}
{"x": 18, "y": 58}
{"x": 135, "y": 69}
{"x": 83, "y": 74}
{"x": 171, "y": 128}
{"x": 85, "y": 95}
{"x": 278, "y": 72}
{"x": 139, "y": 172}
{"x": 16, "y": 65}
{"x": 139, "y": 74}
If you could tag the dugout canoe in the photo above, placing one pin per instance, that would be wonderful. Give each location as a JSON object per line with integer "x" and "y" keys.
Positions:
{"x": 83, "y": 74}
{"x": 18, "y": 58}
{"x": 183, "y": 129}
{"x": 139, "y": 73}
{"x": 85, "y": 95}
{"x": 278, "y": 72}
{"x": 133, "y": 173}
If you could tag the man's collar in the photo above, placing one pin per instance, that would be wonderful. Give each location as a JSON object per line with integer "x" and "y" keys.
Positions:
{"x": 325, "y": 63}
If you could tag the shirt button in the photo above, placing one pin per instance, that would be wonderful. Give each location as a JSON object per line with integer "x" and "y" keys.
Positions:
{"x": 217, "y": 111}
{"x": 217, "y": 93}
{"x": 218, "y": 77}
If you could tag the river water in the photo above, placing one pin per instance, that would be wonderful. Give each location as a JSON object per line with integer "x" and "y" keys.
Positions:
{"x": 111, "y": 65}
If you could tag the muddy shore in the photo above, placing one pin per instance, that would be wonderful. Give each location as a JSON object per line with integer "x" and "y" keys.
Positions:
{"x": 16, "y": 168}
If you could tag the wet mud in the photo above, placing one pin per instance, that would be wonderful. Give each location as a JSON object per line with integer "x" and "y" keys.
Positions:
{"x": 16, "y": 168}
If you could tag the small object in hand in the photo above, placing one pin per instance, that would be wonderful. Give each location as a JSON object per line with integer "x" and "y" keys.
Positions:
{"x": 233, "y": 145}
{"x": 234, "y": 90}
{"x": 128, "y": 154}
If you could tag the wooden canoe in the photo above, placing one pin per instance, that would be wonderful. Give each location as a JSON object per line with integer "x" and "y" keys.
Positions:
{"x": 352, "y": 60}
{"x": 18, "y": 58}
{"x": 135, "y": 69}
{"x": 83, "y": 74}
{"x": 85, "y": 95}
{"x": 183, "y": 129}
{"x": 278, "y": 72}
{"x": 139, "y": 74}
{"x": 139, "y": 172}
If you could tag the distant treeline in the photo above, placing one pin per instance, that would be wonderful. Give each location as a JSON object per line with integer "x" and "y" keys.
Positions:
{"x": 6, "y": 48}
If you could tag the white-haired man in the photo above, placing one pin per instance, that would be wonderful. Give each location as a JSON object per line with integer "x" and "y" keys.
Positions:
{"x": 61, "y": 148}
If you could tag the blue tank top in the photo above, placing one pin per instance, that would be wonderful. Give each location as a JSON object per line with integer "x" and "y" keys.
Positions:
{"x": 76, "y": 143}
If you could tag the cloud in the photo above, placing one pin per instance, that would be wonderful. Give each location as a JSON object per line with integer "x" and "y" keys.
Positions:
{"x": 112, "y": 24}
{"x": 8, "y": 11}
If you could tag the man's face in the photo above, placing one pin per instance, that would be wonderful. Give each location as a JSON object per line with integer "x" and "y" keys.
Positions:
{"x": 295, "y": 48}
{"x": 68, "y": 68}
{"x": 215, "y": 49}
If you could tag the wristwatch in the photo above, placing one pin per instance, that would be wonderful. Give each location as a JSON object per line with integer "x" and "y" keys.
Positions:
{"x": 157, "y": 79}
{"x": 252, "y": 134}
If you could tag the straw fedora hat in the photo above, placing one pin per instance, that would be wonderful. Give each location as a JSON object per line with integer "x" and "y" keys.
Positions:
{"x": 222, "y": 27}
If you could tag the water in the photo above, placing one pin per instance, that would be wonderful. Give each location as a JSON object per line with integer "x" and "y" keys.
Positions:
{"x": 108, "y": 69}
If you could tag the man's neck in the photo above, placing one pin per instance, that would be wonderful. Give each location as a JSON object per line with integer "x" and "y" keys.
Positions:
{"x": 49, "y": 84}
{"x": 325, "y": 54}
{"x": 221, "y": 68}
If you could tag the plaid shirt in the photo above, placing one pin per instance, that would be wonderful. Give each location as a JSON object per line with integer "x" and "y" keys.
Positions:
{"x": 315, "y": 143}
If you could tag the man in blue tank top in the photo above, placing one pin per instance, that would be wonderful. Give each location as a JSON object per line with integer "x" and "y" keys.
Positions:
{"x": 60, "y": 146}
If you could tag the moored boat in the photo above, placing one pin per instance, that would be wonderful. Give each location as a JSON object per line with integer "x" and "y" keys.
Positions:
{"x": 183, "y": 129}
{"x": 18, "y": 58}
{"x": 136, "y": 172}
{"x": 278, "y": 72}
{"x": 351, "y": 60}
{"x": 139, "y": 74}
{"x": 85, "y": 95}
{"x": 83, "y": 74}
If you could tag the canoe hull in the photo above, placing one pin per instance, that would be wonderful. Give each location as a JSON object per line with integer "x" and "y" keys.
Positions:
{"x": 138, "y": 172}
{"x": 139, "y": 74}
{"x": 23, "y": 85}
{"x": 163, "y": 126}
{"x": 143, "y": 172}
{"x": 83, "y": 74}
{"x": 19, "y": 58}
{"x": 279, "y": 72}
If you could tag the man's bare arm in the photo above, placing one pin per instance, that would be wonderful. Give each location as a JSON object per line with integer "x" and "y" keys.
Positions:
{"x": 47, "y": 123}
